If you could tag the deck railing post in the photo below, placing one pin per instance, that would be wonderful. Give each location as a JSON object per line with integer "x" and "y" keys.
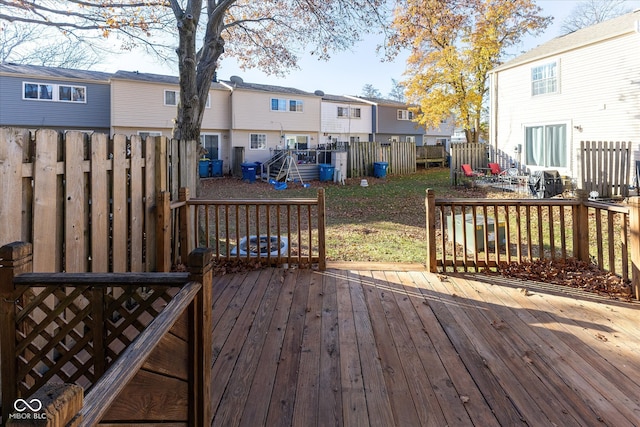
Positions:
{"x": 15, "y": 259}
{"x": 200, "y": 263}
{"x": 430, "y": 206}
{"x": 185, "y": 228}
{"x": 581, "y": 227}
{"x": 634, "y": 243}
{"x": 322, "y": 262}
{"x": 163, "y": 231}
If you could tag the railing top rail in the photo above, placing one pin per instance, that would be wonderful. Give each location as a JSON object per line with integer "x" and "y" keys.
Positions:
{"x": 101, "y": 279}
{"x": 606, "y": 206}
{"x": 232, "y": 202}
{"x": 509, "y": 202}
{"x": 109, "y": 386}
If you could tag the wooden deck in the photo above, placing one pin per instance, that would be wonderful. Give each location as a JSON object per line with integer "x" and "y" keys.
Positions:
{"x": 396, "y": 347}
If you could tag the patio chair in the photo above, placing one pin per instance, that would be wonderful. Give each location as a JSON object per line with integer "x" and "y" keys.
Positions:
{"x": 468, "y": 172}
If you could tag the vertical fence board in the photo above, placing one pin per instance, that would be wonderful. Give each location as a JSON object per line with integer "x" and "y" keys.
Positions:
{"x": 136, "y": 204}
{"x": 45, "y": 207}
{"x": 99, "y": 204}
{"x": 11, "y": 155}
{"x": 151, "y": 188}
{"x": 119, "y": 204}
{"x": 75, "y": 204}
{"x": 605, "y": 167}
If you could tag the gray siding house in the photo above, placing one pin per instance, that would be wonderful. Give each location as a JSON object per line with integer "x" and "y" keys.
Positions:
{"x": 56, "y": 98}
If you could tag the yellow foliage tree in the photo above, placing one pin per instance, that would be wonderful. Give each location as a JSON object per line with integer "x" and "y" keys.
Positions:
{"x": 453, "y": 45}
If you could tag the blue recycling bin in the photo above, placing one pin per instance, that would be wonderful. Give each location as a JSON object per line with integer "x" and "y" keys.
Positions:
{"x": 326, "y": 172}
{"x": 248, "y": 172}
{"x": 216, "y": 167}
{"x": 380, "y": 169}
{"x": 203, "y": 168}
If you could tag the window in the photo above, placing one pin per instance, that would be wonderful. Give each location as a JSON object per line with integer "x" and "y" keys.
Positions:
{"x": 145, "y": 134}
{"x": 546, "y": 145}
{"x": 54, "y": 92}
{"x": 281, "y": 104}
{"x": 297, "y": 142}
{"x": 171, "y": 97}
{"x": 295, "y": 105}
{"x": 346, "y": 112}
{"x": 394, "y": 138}
{"x": 257, "y": 141}
{"x": 410, "y": 139}
{"x": 211, "y": 143}
{"x": 544, "y": 79}
{"x": 405, "y": 115}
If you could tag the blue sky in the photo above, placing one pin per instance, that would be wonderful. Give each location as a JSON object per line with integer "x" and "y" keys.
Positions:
{"x": 346, "y": 72}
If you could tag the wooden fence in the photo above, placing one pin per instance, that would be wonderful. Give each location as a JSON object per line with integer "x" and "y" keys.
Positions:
{"x": 476, "y": 155}
{"x": 605, "y": 167}
{"x": 464, "y": 234}
{"x": 138, "y": 343}
{"x": 400, "y": 156}
{"x": 274, "y": 232}
{"x": 431, "y": 154}
{"x": 88, "y": 203}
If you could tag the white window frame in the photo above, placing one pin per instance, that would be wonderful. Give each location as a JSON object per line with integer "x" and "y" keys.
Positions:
{"x": 262, "y": 145}
{"x": 404, "y": 115}
{"x": 292, "y": 142}
{"x": 545, "y": 162}
{"x": 410, "y": 138}
{"x": 343, "y": 112}
{"x": 544, "y": 79}
{"x": 176, "y": 94}
{"x": 287, "y": 105}
{"x": 54, "y": 89}
{"x": 148, "y": 133}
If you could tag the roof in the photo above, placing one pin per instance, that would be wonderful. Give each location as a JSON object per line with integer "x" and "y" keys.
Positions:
{"x": 611, "y": 28}
{"x": 53, "y": 72}
{"x": 341, "y": 98}
{"x": 238, "y": 83}
{"x": 155, "y": 78}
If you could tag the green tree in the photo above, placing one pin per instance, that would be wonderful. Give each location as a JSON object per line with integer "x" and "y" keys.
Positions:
{"x": 369, "y": 91}
{"x": 453, "y": 45}
{"x": 397, "y": 91}
{"x": 268, "y": 34}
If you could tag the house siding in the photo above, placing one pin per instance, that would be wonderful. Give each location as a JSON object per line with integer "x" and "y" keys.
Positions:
{"x": 597, "y": 99}
{"x": 342, "y": 128}
{"x": 18, "y": 112}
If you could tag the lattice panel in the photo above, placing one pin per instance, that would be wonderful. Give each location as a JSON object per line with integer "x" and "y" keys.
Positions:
{"x": 73, "y": 334}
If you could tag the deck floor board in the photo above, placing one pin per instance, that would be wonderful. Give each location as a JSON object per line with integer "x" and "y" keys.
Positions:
{"x": 352, "y": 346}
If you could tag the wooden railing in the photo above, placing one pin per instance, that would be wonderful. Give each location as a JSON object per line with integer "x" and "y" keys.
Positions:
{"x": 288, "y": 231}
{"x": 138, "y": 343}
{"x": 472, "y": 234}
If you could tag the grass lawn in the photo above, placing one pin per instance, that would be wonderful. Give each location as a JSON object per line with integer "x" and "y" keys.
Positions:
{"x": 384, "y": 222}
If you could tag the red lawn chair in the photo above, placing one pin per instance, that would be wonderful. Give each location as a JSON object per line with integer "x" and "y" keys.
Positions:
{"x": 468, "y": 172}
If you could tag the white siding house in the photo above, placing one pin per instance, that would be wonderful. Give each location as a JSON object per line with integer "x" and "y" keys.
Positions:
{"x": 345, "y": 119}
{"x": 265, "y": 117}
{"x": 584, "y": 86}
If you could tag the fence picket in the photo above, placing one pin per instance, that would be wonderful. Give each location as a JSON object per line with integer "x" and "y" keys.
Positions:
{"x": 75, "y": 204}
{"x": 119, "y": 204}
{"x": 99, "y": 204}
{"x": 11, "y": 154}
{"x": 45, "y": 208}
{"x": 136, "y": 204}
{"x": 606, "y": 167}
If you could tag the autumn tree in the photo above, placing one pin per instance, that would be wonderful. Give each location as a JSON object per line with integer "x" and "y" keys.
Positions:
{"x": 453, "y": 45}
{"x": 591, "y": 12}
{"x": 268, "y": 34}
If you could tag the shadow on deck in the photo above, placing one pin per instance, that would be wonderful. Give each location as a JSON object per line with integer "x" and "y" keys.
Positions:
{"x": 350, "y": 346}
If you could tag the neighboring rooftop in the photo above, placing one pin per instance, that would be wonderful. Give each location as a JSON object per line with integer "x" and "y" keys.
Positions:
{"x": 53, "y": 72}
